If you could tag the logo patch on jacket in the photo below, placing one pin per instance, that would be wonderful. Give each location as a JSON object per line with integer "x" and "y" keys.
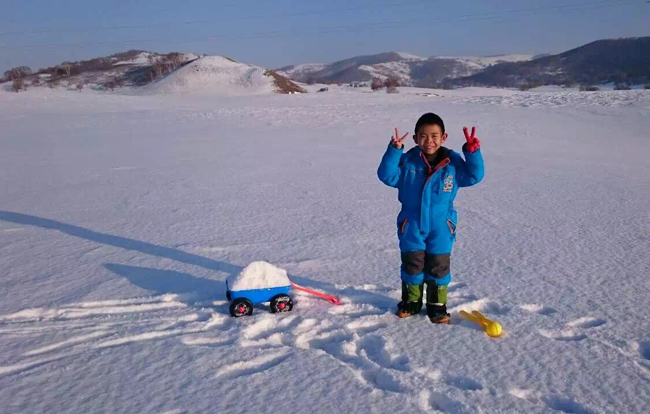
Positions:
{"x": 449, "y": 184}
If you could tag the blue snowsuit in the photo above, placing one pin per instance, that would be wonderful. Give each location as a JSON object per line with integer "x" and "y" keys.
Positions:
{"x": 426, "y": 225}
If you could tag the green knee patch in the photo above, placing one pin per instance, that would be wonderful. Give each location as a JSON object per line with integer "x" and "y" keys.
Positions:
{"x": 436, "y": 294}
{"x": 412, "y": 293}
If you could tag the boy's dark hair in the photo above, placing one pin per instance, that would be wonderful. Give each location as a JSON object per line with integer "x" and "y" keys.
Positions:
{"x": 429, "y": 119}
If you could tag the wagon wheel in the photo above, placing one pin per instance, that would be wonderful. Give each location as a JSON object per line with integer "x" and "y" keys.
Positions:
{"x": 241, "y": 307}
{"x": 281, "y": 303}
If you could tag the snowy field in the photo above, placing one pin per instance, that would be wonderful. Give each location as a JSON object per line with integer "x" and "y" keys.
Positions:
{"x": 122, "y": 216}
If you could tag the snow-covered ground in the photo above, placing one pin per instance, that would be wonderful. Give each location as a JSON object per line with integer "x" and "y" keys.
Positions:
{"x": 122, "y": 216}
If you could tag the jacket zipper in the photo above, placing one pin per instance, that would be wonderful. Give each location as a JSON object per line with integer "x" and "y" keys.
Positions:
{"x": 431, "y": 171}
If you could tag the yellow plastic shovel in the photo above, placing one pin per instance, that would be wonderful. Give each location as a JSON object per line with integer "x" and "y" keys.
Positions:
{"x": 492, "y": 329}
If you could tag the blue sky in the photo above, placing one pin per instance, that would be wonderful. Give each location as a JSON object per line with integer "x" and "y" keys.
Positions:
{"x": 281, "y": 32}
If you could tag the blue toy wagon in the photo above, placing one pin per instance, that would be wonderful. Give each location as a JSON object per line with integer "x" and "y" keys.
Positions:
{"x": 259, "y": 282}
{"x": 242, "y": 301}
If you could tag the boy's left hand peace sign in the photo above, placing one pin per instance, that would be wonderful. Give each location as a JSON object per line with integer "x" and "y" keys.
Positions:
{"x": 472, "y": 142}
{"x": 396, "y": 141}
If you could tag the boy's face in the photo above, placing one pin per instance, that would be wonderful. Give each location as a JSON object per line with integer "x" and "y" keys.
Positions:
{"x": 430, "y": 138}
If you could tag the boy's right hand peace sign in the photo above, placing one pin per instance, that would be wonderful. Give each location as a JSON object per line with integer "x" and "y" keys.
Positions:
{"x": 472, "y": 143}
{"x": 396, "y": 141}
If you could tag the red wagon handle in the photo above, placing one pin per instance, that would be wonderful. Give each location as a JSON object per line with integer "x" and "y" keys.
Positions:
{"x": 332, "y": 299}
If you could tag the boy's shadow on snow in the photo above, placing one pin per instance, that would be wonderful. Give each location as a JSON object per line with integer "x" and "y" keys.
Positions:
{"x": 189, "y": 288}
{"x": 121, "y": 242}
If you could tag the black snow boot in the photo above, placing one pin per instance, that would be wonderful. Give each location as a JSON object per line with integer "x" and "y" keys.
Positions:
{"x": 437, "y": 313}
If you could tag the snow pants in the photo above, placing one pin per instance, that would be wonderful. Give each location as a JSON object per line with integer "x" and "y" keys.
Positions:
{"x": 426, "y": 253}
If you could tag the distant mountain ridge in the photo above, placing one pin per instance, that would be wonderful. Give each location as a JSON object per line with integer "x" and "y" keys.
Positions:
{"x": 625, "y": 60}
{"x": 410, "y": 69}
{"x": 620, "y": 61}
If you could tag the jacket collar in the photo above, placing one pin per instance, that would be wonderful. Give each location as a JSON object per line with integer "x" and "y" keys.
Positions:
{"x": 440, "y": 161}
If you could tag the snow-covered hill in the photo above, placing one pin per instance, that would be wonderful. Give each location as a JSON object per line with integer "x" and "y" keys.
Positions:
{"x": 217, "y": 76}
{"x": 128, "y": 69}
{"x": 141, "y": 72}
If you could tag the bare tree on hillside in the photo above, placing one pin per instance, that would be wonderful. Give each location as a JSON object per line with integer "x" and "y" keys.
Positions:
{"x": 18, "y": 85}
{"x": 158, "y": 69}
{"x": 391, "y": 84}
{"x": 376, "y": 84}
{"x": 392, "y": 81}
{"x": 174, "y": 60}
{"x": 18, "y": 72}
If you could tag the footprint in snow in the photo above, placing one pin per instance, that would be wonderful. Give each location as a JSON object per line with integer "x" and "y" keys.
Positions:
{"x": 208, "y": 342}
{"x": 377, "y": 350}
{"x": 355, "y": 310}
{"x": 571, "y": 333}
{"x": 541, "y": 309}
{"x": 271, "y": 331}
{"x": 439, "y": 402}
{"x": 566, "y": 405}
{"x": 485, "y": 305}
{"x": 586, "y": 323}
{"x": 461, "y": 299}
{"x": 464, "y": 383}
{"x": 644, "y": 350}
{"x": 258, "y": 364}
{"x": 525, "y": 394}
{"x": 454, "y": 286}
{"x": 366, "y": 325}
{"x": 554, "y": 402}
{"x": 365, "y": 358}
{"x": 568, "y": 335}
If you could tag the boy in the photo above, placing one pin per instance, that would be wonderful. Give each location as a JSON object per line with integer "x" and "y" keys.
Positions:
{"x": 427, "y": 178}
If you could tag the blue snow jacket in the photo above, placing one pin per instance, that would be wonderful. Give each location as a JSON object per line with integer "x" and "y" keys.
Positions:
{"x": 427, "y": 194}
